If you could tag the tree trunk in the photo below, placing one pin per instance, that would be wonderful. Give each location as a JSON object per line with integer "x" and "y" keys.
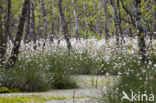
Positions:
{"x": 95, "y": 10}
{"x": 52, "y": 20}
{"x": 140, "y": 30}
{"x": 32, "y": 22}
{"x": 39, "y": 31}
{"x": 106, "y": 18}
{"x": 112, "y": 2}
{"x": 59, "y": 32}
{"x": 99, "y": 24}
{"x": 119, "y": 21}
{"x": 154, "y": 29}
{"x": 87, "y": 27}
{"x": 45, "y": 18}
{"x": 27, "y": 28}
{"x": 4, "y": 38}
{"x": 8, "y": 20}
{"x": 15, "y": 51}
{"x": 86, "y": 22}
{"x": 1, "y": 37}
{"x": 64, "y": 26}
{"x": 129, "y": 13}
{"x": 77, "y": 22}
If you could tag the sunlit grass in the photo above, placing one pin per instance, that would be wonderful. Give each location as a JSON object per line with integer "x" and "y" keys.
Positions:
{"x": 30, "y": 99}
{"x": 36, "y": 99}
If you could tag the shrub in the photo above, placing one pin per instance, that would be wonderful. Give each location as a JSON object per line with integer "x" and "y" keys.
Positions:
{"x": 4, "y": 90}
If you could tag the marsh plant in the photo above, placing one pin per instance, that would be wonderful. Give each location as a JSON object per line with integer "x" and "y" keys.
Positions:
{"x": 136, "y": 82}
{"x": 51, "y": 67}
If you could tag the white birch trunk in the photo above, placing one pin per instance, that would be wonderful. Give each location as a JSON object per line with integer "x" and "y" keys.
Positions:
{"x": 77, "y": 21}
{"x": 95, "y": 10}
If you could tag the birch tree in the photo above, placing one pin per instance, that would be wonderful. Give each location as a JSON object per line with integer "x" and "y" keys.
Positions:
{"x": 119, "y": 21}
{"x": 112, "y": 2}
{"x": 30, "y": 34}
{"x": 52, "y": 2}
{"x": 27, "y": 28}
{"x": 44, "y": 18}
{"x": 86, "y": 22}
{"x": 77, "y": 21}
{"x": 105, "y": 2}
{"x": 95, "y": 10}
{"x": 64, "y": 26}
{"x": 1, "y": 36}
{"x": 32, "y": 23}
{"x": 15, "y": 51}
{"x": 4, "y": 38}
{"x": 99, "y": 24}
{"x": 7, "y": 24}
{"x": 140, "y": 30}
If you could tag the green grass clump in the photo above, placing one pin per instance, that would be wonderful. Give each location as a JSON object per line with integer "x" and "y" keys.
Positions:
{"x": 83, "y": 63}
{"x": 4, "y": 90}
{"x": 59, "y": 69}
{"x": 26, "y": 76}
{"x": 137, "y": 77}
{"x": 39, "y": 73}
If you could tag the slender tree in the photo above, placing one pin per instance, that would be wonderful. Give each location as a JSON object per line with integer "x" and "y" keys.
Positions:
{"x": 99, "y": 23}
{"x": 105, "y": 2}
{"x": 45, "y": 19}
{"x": 52, "y": 20}
{"x": 155, "y": 19}
{"x": 64, "y": 26}
{"x": 77, "y": 21}
{"x": 129, "y": 13}
{"x": 1, "y": 36}
{"x": 4, "y": 38}
{"x": 8, "y": 21}
{"x": 95, "y": 10}
{"x": 86, "y": 22}
{"x": 27, "y": 27}
{"x": 32, "y": 22}
{"x": 119, "y": 21}
{"x": 112, "y": 2}
{"x": 140, "y": 30}
{"x": 15, "y": 51}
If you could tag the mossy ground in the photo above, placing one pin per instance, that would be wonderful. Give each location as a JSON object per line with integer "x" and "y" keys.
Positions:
{"x": 30, "y": 99}
{"x": 34, "y": 99}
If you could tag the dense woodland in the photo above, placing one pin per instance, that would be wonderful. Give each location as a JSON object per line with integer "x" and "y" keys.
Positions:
{"x": 27, "y": 22}
{"x": 52, "y": 19}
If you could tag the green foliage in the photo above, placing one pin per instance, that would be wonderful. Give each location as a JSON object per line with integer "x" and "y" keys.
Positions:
{"x": 4, "y": 90}
{"x": 136, "y": 77}
{"x": 59, "y": 67}
{"x": 28, "y": 77}
{"x": 83, "y": 64}
{"x": 38, "y": 73}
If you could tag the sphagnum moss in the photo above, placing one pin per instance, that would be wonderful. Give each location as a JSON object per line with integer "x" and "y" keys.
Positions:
{"x": 30, "y": 99}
